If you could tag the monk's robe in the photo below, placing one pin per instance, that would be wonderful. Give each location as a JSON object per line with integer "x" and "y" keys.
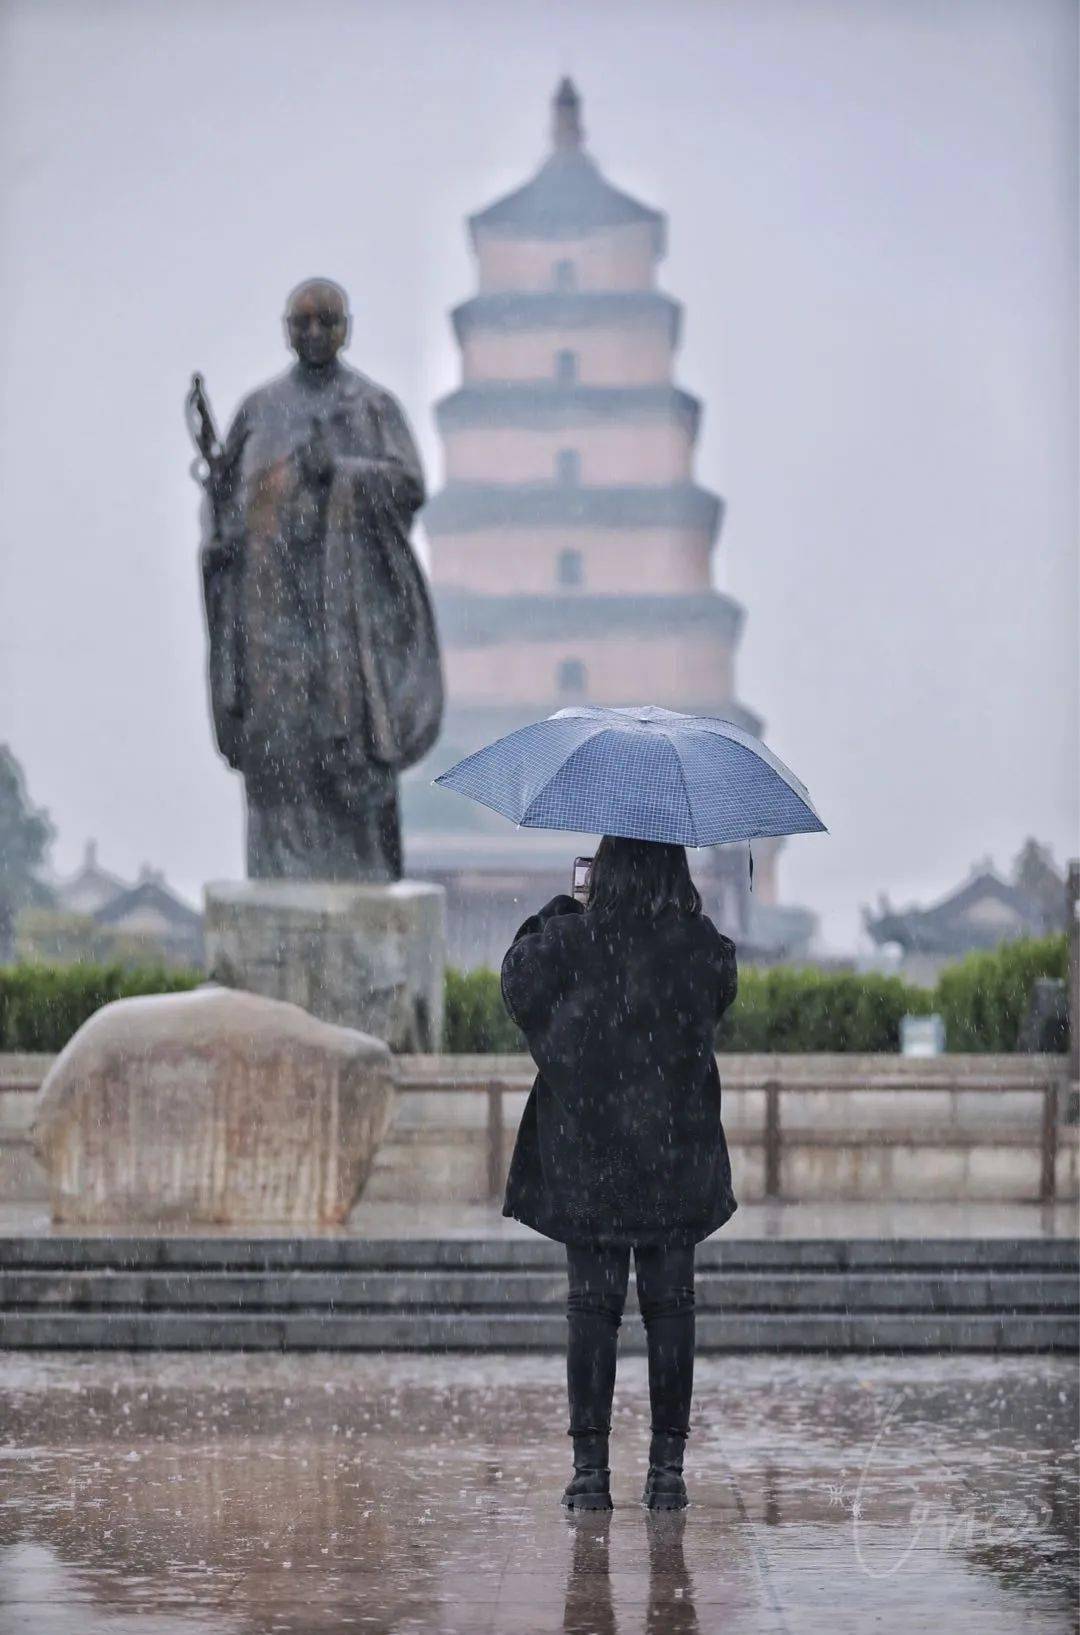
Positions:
{"x": 325, "y": 677}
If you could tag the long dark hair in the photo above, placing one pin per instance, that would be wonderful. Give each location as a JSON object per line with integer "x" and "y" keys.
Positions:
{"x": 646, "y": 878}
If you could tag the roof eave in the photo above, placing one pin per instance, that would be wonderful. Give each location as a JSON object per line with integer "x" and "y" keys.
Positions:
{"x": 569, "y": 232}
{"x": 527, "y": 403}
{"x": 548, "y": 308}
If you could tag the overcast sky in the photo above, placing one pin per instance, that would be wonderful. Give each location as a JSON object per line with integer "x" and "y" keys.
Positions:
{"x": 872, "y": 220}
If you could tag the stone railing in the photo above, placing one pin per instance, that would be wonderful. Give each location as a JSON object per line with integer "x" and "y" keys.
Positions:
{"x": 22, "y": 1072}
{"x": 820, "y": 1127}
{"x": 816, "y": 1125}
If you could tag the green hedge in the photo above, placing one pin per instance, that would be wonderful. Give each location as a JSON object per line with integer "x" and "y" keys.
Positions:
{"x": 475, "y": 1016}
{"x": 782, "y": 1009}
{"x": 803, "y": 1010}
{"x": 41, "y": 1006}
{"x": 984, "y": 997}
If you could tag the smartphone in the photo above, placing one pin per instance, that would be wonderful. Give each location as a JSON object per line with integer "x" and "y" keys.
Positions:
{"x": 582, "y": 871}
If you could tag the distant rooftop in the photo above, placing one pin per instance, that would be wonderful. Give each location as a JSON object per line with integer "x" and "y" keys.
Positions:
{"x": 568, "y": 196}
{"x": 90, "y": 887}
{"x": 94, "y": 891}
{"x": 980, "y": 914}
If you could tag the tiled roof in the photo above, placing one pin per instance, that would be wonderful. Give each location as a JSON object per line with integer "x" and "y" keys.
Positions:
{"x": 149, "y": 894}
{"x": 955, "y": 925}
{"x": 567, "y": 198}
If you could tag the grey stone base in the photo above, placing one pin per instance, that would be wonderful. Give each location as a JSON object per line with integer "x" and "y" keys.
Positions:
{"x": 370, "y": 957}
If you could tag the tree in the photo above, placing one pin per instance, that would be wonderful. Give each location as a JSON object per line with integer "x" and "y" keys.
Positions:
{"x": 26, "y": 833}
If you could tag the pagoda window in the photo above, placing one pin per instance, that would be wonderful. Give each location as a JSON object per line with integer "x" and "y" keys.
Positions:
{"x": 566, "y": 368}
{"x": 568, "y": 467}
{"x": 563, "y": 275}
{"x": 572, "y": 678}
{"x": 570, "y": 568}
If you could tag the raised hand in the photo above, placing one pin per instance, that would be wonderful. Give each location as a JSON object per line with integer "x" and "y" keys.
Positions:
{"x": 316, "y": 455}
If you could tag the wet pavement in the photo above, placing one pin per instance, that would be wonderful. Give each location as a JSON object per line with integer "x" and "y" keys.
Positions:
{"x": 167, "y": 1495}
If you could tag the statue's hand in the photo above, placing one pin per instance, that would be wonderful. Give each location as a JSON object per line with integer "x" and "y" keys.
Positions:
{"x": 316, "y": 456}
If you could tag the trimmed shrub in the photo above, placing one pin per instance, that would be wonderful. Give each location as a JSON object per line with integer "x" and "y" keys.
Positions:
{"x": 804, "y": 1010}
{"x": 475, "y": 1016}
{"x": 41, "y": 1006}
{"x": 984, "y": 998}
{"x": 782, "y": 1009}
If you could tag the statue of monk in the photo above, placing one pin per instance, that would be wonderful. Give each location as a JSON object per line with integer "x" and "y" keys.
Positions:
{"x": 325, "y": 677}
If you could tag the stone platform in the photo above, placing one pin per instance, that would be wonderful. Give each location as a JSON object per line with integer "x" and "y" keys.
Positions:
{"x": 370, "y": 957}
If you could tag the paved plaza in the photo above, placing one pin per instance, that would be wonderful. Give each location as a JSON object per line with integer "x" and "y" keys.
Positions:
{"x": 233, "y": 1495}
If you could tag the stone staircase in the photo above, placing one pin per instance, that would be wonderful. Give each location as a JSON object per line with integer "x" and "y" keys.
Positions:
{"x": 205, "y": 1293}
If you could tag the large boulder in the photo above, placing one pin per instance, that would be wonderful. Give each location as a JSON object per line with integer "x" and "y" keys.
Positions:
{"x": 212, "y": 1107}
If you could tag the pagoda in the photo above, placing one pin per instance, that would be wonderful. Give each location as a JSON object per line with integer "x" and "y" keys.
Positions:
{"x": 570, "y": 546}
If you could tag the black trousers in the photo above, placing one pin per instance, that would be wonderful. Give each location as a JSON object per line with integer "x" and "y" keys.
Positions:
{"x": 598, "y": 1279}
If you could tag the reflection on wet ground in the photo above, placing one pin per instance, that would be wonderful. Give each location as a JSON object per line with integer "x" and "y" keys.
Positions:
{"x": 167, "y": 1495}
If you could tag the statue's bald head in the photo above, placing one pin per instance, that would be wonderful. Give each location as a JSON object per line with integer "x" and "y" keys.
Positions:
{"x": 317, "y": 320}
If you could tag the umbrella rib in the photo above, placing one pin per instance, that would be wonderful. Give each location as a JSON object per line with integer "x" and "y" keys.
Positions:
{"x": 727, "y": 729}
{"x": 600, "y": 727}
{"x": 686, "y": 787}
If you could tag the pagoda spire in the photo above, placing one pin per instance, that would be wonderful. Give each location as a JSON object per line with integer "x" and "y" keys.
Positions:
{"x": 566, "y": 125}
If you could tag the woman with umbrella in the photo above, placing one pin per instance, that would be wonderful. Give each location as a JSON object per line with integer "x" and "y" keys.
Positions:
{"x": 621, "y": 1145}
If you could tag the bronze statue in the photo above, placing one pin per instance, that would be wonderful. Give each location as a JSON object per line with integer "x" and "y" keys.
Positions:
{"x": 325, "y": 678}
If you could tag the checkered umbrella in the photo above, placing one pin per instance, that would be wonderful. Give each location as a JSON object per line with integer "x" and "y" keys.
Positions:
{"x": 646, "y": 773}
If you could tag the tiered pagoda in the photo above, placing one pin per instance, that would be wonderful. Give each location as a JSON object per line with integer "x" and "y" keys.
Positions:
{"x": 570, "y": 545}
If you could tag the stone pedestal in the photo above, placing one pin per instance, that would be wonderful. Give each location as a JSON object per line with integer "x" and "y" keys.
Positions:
{"x": 212, "y": 1107}
{"x": 365, "y": 956}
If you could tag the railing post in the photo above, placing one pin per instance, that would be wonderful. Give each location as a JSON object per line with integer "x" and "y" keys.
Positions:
{"x": 494, "y": 1140}
{"x": 1048, "y": 1182}
{"x": 772, "y": 1139}
{"x": 1072, "y": 924}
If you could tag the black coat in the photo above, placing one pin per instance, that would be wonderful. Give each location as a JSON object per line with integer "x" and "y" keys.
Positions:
{"x": 621, "y": 1140}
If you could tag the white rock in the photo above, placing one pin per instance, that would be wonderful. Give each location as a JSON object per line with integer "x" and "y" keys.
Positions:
{"x": 215, "y": 1106}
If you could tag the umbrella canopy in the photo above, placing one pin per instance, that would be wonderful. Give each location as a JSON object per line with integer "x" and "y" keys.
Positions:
{"x": 646, "y": 773}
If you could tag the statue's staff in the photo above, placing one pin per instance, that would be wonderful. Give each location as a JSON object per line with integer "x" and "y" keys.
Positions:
{"x": 206, "y": 468}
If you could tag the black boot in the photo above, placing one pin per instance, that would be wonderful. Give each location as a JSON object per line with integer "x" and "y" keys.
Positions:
{"x": 664, "y": 1485}
{"x": 590, "y": 1488}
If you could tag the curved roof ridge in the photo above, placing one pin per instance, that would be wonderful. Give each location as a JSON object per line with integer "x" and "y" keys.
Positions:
{"x": 568, "y": 196}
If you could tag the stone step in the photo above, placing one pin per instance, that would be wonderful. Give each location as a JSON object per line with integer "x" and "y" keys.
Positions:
{"x": 441, "y": 1331}
{"x": 509, "y": 1294}
{"x": 169, "y": 1252}
{"x": 527, "y": 1292}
